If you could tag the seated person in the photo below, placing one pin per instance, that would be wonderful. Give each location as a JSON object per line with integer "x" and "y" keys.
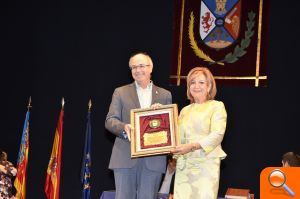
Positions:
{"x": 169, "y": 175}
{"x": 290, "y": 159}
{"x": 7, "y": 171}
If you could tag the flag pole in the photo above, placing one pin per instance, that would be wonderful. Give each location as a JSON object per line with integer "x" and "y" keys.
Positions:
{"x": 90, "y": 105}
{"x": 62, "y": 103}
{"x": 29, "y": 103}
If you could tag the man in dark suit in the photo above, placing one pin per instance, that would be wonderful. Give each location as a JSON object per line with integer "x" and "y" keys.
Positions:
{"x": 140, "y": 177}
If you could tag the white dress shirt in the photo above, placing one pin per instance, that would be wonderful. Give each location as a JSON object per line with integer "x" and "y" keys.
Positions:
{"x": 144, "y": 95}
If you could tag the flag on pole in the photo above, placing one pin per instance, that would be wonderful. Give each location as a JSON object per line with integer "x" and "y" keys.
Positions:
{"x": 20, "y": 181}
{"x": 54, "y": 167}
{"x": 86, "y": 162}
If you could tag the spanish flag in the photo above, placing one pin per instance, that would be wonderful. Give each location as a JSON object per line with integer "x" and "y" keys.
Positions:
{"x": 54, "y": 167}
{"x": 20, "y": 181}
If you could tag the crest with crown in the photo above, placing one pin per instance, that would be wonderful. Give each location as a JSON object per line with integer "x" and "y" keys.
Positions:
{"x": 220, "y": 7}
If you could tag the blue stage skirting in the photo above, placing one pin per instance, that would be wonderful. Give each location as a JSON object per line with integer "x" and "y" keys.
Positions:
{"x": 111, "y": 195}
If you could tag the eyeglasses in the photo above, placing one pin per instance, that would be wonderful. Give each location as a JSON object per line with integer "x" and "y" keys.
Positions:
{"x": 141, "y": 66}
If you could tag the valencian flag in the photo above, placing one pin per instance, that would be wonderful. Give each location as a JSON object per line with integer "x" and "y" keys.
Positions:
{"x": 54, "y": 167}
{"x": 87, "y": 162}
{"x": 227, "y": 36}
{"x": 20, "y": 181}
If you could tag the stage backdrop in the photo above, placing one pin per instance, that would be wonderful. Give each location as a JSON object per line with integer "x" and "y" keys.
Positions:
{"x": 80, "y": 50}
{"x": 228, "y": 37}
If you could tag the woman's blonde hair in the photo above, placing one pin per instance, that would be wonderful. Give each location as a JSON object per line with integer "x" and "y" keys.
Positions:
{"x": 210, "y": 80}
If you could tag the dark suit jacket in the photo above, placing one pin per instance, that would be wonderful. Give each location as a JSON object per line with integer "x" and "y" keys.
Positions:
{"x": 124, "y": 99}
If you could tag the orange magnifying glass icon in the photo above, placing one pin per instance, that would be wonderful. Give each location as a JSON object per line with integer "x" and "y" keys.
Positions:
{"x": 277, "y": 179}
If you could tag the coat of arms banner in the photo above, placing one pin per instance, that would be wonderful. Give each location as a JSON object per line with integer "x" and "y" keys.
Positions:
{"x": 227, "y": 36}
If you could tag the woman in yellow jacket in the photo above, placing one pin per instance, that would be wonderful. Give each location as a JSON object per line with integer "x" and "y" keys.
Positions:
{"x": 202, "y": 126}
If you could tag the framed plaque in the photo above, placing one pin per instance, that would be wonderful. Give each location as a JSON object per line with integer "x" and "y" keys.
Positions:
{"x": 155, "y": 130}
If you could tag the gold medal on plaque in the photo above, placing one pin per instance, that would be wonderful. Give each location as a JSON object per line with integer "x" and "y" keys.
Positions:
{"x": 154, "y": 123}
